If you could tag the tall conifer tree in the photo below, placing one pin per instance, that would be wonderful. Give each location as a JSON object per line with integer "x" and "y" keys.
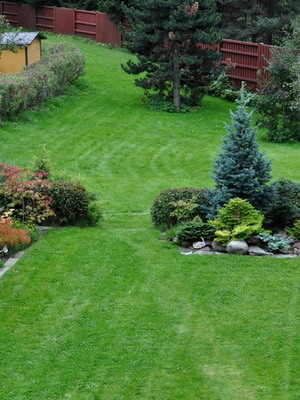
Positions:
{"x": 241, "y": 169}
{"x": 165, "y": 37}
{"x": 260, "y": 21}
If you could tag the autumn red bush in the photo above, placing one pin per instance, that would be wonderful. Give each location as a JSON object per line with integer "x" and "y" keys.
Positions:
{"x": 24, "y": 193}
{"x": 12, "y": 237}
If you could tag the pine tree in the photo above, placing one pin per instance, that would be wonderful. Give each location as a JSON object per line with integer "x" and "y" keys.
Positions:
{"x": 241, "y": 169}
{"x": 261, "y": 21}
{"x": 165, "y": 37}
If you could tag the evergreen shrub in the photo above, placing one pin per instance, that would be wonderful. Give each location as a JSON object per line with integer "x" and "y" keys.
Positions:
{"x": 275, "y": 243}
{"x": 163, "y": 205}
{"x": 40, "y": 81}
{"x": 241, "y": 169}
{"x": 295, "y": 230}
{"x": 237, "y": 220}
{"x": 284, "y": 208}
{"x": 193, "y": 230}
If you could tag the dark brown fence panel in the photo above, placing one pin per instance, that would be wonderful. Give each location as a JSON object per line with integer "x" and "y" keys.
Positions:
{"x": 45, "y": 19}
{"x": 11, "y": 12}
{"x": 107, "y": 31}
{"x": 85, "y": 24}
{"x": 243, "y": 61}
{"x": 27, "y": 17}
{"x": 64, "y": 21}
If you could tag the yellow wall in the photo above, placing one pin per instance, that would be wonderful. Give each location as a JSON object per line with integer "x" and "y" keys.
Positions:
{"x": 34, "y": 51}
{"x": 14, "y": 62}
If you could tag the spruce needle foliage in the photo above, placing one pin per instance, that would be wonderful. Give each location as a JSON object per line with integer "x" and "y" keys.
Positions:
{"x": 241, "y": 169}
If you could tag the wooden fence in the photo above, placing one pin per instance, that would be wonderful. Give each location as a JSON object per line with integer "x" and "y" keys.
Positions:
{"x": 245, "y": 58}
{"x": 90, "y": 24}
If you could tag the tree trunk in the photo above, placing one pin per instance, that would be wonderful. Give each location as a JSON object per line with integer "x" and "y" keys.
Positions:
{"x": 176, "y": 92}
{"x": 176, "y": 85}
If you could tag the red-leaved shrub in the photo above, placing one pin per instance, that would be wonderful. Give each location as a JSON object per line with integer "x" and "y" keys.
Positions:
{"x": 11, "y": 237}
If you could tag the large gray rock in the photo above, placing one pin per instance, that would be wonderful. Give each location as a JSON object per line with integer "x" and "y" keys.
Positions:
{"x": 218, "y": 247}
{"x": 237, "y": 247}
{"x": 296, "y": 245}
{"x": 258, "y": 251}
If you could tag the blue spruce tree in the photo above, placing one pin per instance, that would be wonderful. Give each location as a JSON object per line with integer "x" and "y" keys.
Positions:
{"x": 241, "y": 169}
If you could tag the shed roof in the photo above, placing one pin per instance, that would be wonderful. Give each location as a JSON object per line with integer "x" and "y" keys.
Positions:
{"x": 20, "y": 39}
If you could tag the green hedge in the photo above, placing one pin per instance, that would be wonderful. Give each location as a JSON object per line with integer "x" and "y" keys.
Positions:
{"x": 40, "y": 81}
{"x": 163, "y": 205}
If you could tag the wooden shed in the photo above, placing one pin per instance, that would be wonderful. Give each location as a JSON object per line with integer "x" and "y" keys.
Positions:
{"x": 27, "y": 50}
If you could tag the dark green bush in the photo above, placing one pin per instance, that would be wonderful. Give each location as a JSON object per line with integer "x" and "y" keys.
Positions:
{"x": 40, "y": 81}
{"x": 222, "y": 87}
{"x": 193, "y": 230}
{"x": 163, "y": 205}
{"x": 72, "y": 204}
{"x": 295, "y": 230}
{"x": 284, "y": 209}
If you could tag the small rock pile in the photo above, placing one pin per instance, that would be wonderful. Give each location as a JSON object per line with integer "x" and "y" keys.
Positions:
{"x": 240, "y": 247}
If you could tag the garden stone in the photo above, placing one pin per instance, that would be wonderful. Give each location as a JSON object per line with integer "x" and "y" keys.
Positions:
{"x": 296, "y": 245}
{"x": 258, "y": 251}
{"x": 237, "y": 247}
{"x": 218, "y": 247}
{"x": 285, "y": 255}
{"x": 185, "y": 251}
{"x": 296, "y": 251}
{"x": 199, "y": 245}
{"x": 205, "y": 250}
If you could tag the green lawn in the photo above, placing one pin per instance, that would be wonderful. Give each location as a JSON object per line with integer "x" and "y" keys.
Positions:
{"x": 112, "y": 312}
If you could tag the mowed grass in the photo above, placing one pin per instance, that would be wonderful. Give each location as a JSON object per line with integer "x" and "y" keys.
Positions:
{"x": 112, "y": 312}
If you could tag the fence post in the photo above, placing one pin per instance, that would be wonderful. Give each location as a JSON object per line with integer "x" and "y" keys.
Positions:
{"x": 0, "y": 7}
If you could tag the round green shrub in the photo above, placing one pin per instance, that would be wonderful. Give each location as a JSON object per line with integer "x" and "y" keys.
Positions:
{"x": 284, "y": 208}
{"x": 163, "y": 205}
{"x": 237, "y": 220}
{"x": 72, "y": 204}
{"x": 193, "y": 230}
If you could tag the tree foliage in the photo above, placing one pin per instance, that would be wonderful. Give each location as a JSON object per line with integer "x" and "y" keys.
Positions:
{"x": 241, "y": 169}
{"x": 260, "y": 21}
{"x": 165, "y": 37}
{"x": 279, "y": 104}
{"x": 10, "y": 42}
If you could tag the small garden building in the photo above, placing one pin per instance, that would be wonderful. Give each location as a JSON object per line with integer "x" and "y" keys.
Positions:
{"x": 27, "y": 50}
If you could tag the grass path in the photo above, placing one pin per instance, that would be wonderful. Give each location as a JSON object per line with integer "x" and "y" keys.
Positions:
{"x": 112, "y": 312}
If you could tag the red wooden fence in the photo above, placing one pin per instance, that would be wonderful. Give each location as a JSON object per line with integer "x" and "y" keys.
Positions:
{"x": 245, "y": 57}
{"x": 90, "y": 24}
